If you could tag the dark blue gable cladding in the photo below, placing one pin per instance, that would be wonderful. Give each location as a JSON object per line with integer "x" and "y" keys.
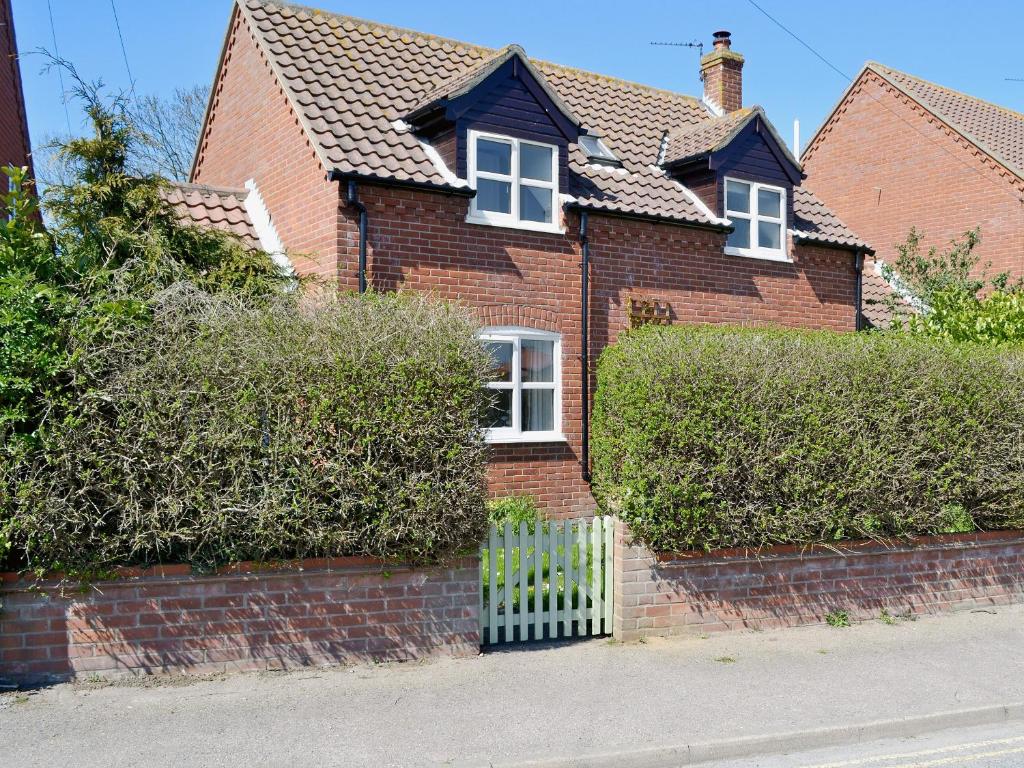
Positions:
{"x": 754, "y": 155}
{"x": 511, "y": 102}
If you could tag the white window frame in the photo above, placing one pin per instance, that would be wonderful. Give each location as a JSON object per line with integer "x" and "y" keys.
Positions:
{"x": 756, "y": 251}
{"x": 511, "y": 219}
{"x": 515, "y": 434}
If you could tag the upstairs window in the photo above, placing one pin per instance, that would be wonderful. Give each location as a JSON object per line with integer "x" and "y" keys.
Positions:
{"x": 516, "y": 182}
{"x": 525, "y": 388}
{"x": 758, "y": 215}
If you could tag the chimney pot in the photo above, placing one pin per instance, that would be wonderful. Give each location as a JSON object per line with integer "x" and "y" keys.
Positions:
{"x": 722, "y": 39}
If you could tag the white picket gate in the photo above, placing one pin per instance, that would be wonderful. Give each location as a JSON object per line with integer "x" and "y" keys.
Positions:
{"x": 546, "y": 580}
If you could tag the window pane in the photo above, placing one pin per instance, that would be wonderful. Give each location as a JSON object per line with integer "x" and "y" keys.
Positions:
{"x": 494, "y": 195}
{"x": 740, "y": 237}
{"x": 769, "y": 203}
{"x": 501, "y": 353}
{"x": 538, "y": 410}
{"x": 535, "y": 162}
{"x": 493, "y": 156}
{"x": 737, "y": 197}
{"x": 538, "y": 362}
{"x": 769, "y": 235}
{"x": 499, "y": 410}
{"x": 534, "y": 204}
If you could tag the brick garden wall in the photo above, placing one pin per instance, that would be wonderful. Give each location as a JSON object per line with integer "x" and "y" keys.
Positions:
{"x": 333, "y": 612}
{"x": 784, "y": 587}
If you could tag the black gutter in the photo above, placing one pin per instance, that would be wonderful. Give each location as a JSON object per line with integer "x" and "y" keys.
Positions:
{"x": 722, "y": 228}
{"x": 585, "y": 342}
{"x": 858, "y": 289}
{"x": 353, "y": 200}
{"x": 385, "y": 181}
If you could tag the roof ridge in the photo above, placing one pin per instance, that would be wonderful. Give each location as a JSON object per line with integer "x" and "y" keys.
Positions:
{"x": 954, "y": 91}
{"x": 483, "y": 49}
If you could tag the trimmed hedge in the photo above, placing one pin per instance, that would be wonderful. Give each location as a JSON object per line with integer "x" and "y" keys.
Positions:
{"x": 224, "y": 431}
{"x": 711, "y": 437}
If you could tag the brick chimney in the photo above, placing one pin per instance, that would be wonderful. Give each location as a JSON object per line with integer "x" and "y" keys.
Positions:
{"x": 722, "y": 73}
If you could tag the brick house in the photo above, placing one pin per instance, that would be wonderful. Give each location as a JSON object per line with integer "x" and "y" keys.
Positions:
{"x": 561, "y": 205}
{"x": 898, "y": 152}
{"x": 14, "y": 141}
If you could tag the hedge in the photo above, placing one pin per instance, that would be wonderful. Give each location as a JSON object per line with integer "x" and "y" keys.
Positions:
{"x": 721, "y": 437}
{"x": 224, "y": 431}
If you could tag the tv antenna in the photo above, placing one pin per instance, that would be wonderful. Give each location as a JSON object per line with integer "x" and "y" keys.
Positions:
{"x": 692, "y": 44}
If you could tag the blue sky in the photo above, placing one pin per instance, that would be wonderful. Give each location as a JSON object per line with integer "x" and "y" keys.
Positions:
{"x": 176, "y": 43}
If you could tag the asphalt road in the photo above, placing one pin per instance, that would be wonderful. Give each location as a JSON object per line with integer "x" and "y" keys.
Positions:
{"x": 993, "y": 746}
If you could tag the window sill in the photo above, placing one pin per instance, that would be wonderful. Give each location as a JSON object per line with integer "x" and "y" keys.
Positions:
{"x": 529, "y": 437}
{"x": 753, "y": 253}
{"x": 527, "y": 226}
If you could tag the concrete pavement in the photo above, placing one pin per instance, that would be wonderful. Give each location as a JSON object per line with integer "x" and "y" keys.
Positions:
{"x": 593, "y": 703}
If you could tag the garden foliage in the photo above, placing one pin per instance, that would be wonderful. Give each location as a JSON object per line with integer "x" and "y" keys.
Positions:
{"x": 720, "y": 437}
{"x": 952, "y": 295}
{"x": 222, "y": 431}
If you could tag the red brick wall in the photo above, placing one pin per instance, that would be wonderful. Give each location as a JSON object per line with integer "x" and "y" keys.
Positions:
{"x": 782, "y": 587}
{"x": 883, "y": 167}
{"x": 13, "y": 132}
{"x": 420, "y": 241}
{"x": 336, "y": 612}
{"x": 252, "y": 133}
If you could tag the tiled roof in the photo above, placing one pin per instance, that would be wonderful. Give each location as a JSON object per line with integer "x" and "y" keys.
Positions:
{"x": 353, "y": 81}
{"x": 219, "y": 208}
{"x": 814, "y": 222}
{"x": 877, "y": 298}
{"x": 996, "y": 130}
{"x": 705, "y": 137}
{"x": 478, "y": 72}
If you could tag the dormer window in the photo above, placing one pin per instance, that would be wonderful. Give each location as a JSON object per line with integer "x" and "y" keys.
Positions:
{"x": 516, "y": 182}
{"x": 758, "y": 216}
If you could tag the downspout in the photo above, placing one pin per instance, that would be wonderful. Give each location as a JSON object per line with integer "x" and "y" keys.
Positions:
{"x": 585, "y": 342}
{"x": 353, "y": 200}
{"x": 858, "y": 289}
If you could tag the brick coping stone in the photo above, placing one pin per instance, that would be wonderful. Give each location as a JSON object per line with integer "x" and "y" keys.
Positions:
{"x": 841, "y": 548}
{"x": 183, "y": 571}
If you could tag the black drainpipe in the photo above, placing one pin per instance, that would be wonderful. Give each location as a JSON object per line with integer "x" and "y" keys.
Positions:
{"x": 858, "y": 289}
{"x": 353, "y": 200}
{"x": 585, "y": 341}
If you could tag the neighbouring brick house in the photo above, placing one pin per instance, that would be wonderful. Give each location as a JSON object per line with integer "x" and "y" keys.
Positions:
{"x": 14, "y": 141}
{"x": 899, "y": 152}
{"x": 561, "y": 205}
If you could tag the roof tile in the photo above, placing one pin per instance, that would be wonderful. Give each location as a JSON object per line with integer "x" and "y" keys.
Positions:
{"x": 218, "y": 208}
{"x": 996, "y": 130}
{"x": 350, "y": 79}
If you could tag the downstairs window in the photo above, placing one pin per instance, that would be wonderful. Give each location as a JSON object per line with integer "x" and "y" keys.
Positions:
{"x": 525, "y": 390}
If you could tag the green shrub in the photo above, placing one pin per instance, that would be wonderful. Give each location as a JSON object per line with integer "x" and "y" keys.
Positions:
{"x": 224, "y": 431}
{"x": 716, "y": 437}
{"x": 514, "y": 510}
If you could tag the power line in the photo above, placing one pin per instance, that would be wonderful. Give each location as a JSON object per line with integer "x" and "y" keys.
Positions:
{"x": 60, "y": 74}
{"x": 836, "y": 69}
{"x": 124, "y": 52}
